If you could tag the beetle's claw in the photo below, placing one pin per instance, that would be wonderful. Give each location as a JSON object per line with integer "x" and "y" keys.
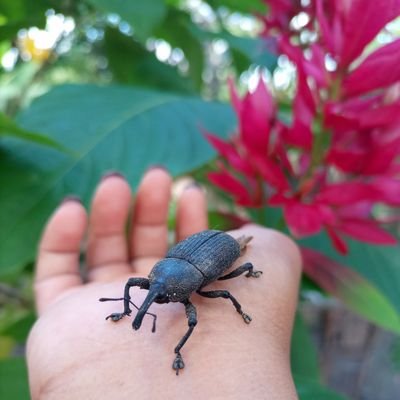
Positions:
{"x": 116, "y": 316}
{"x": 178, "y": 363}
{"x": 254, "y": 274}
{"x": 246, "y": 318}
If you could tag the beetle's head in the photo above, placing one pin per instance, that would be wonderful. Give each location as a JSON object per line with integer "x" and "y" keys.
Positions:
{"x": 157, "y": 293}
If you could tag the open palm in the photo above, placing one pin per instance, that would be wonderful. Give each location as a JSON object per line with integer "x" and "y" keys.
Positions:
{"x": 73, "y": 353}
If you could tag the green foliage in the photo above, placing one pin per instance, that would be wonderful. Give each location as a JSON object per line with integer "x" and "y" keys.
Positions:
{"x": 13, "y": 379}
{"x": 19, "y": 328}
{"x": 314, "y": 391}
{"x": 305, "y": 369}
{"x": 144, "y": 16}
{"x": 132, "y": 64}
{"x": 9, "y": 128}
{"x": 370, "y": 286}
{"x": 19, "y": 14}
{"x": 110, "y": 128}
{"x": 245, "y": 50}
{"x": 249, "y": 6}
{"x": 181, "y": 36}
{"x": 303, "y": 356}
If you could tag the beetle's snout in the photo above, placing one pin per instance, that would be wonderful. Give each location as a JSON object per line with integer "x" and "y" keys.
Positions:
{"x": 151, "y": 296}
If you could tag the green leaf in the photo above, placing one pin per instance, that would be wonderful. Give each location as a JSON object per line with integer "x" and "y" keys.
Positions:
{"x": 13, "y": 379}
{"x": 175, "y": 29}
{"x": 18, "y": 10}
{"x": 309, "y": 390}
{"x": 250, "y": 50}
{"x": 19, "y": 14}
{"x": 303, "y": 356}
{"x": 245, "y": 50}
{"x": 144, "y": 16}
{"x": 9, "y": 128}
{"x": 304, "y": 363}
{"x": 395, "y": 355}
{"x": 366, "y": 280}
{"x": 132, "y": 64}
{"x": 19, "y": 329}
{"x": 109, "y": 128}
{"x": 245, "y": 6}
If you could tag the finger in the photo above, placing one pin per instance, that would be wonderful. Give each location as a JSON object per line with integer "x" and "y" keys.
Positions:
{"x": 149, "y": 236}
{"x": 57, "y": 267}
{"x": 107, "y": 253}
{"x": 191, "y": 214}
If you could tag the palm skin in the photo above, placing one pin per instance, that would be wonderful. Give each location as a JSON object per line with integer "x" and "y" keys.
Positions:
{"x": 74, "y": 353}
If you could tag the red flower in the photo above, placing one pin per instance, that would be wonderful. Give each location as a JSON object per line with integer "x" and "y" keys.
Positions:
{"x": 255, "y": 113}
{"x": 340, "y": 154}
{"x": 348, "y": 26}
{"x": 381, "y": 68}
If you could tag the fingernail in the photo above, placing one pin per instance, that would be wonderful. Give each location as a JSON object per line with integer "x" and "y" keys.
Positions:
{"x": 112, "y": 173}
{"x": 157, "y": 166}
{"x": 69, "y": 198}
{"x": 194, "y": 185}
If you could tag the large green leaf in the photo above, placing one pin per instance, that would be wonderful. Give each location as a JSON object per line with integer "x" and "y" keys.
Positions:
{"x": 109, "y": 128}
{"x": 132, "y": 64}
{"x": 13, "y": 379}
{"x": 142, "y": 15}
{"x": 377, "y": 296}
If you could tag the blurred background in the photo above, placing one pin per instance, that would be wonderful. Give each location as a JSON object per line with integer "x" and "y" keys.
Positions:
{"x": 97, "y": 85}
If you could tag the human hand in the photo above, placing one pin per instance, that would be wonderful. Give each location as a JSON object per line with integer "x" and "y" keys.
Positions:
{"x": 74, "y": 354}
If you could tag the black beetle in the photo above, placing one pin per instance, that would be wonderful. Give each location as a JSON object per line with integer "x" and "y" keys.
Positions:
{"x": 188, "y": 267}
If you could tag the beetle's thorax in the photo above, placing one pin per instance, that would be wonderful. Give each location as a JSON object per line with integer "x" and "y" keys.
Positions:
{"x": 179, "y": 278}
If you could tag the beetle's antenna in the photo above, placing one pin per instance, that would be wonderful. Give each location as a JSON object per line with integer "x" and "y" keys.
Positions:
{"x": 153, "y": 329}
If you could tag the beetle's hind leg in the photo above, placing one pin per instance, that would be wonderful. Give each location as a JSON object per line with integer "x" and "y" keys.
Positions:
{"x": 191, "y": 315}
{"x": 212, "y": 294}
{"x": 248, "y": 267}
{"x": 143, "y": 283}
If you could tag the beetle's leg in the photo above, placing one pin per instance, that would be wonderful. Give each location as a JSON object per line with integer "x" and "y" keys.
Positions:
{"x": 248, "y": 267}
{"x": 143, "y": 283}
{"x": 192, "y": 321}
{"x": 212, "y": 294}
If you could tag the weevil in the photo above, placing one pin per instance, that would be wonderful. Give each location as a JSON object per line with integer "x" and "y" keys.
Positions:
{"x": 188, "y": 267}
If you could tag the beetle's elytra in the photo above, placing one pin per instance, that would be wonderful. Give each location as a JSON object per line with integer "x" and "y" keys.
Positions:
{"x": 188, "y": 267}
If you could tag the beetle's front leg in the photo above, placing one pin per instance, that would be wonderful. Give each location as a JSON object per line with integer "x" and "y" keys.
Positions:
{"x": 192, "y": 321}
{"x": 143, "y": 283}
